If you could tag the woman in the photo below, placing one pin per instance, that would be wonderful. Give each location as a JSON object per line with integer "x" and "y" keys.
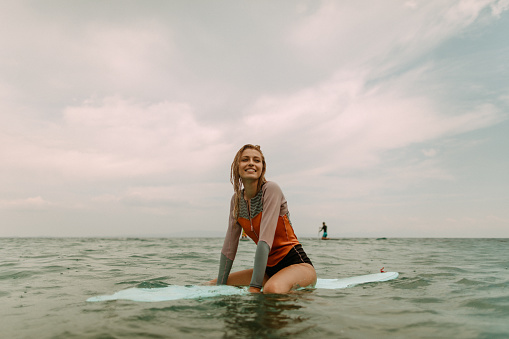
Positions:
{"x": 260, "y": 209}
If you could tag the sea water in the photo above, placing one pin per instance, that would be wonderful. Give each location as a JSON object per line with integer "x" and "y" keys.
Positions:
{"x": 447, "y": 288}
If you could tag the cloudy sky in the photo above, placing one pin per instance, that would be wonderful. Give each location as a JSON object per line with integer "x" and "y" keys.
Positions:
{"x": 382, "y": 118}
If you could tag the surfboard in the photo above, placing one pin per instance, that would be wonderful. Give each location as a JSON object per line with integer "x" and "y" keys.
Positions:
{"x": 176, "y": 292}
{"x": 333, "y": 284}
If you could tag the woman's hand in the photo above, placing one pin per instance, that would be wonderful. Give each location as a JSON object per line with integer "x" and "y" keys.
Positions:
{"x": 254, "y": 289}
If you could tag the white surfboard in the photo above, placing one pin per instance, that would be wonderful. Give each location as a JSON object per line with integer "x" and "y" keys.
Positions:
{"x": 352, "y": 281}
{"x": 175, "y": 292}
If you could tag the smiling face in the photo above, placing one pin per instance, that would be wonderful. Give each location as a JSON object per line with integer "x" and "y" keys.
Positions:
{"x": 250, "y": 165}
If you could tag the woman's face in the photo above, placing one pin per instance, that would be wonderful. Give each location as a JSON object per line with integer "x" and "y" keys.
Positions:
{"x": 251, "y": 165}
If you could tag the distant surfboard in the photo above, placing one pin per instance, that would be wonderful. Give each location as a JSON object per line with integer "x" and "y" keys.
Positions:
{"x": 176, "y": 292}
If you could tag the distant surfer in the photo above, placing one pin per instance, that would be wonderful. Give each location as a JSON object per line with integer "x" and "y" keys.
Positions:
{"x": 324, "y": 229}
{"x": 260, "y": 209}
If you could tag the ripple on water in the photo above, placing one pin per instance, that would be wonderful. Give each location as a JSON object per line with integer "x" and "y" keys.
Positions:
{"x": 19, "y": 275}
{"x": 441, "y": 274}
{"x": 411, "y": 283}
{"x": 152, "y": 284}
{"x": 428, "y": 300}
{"x": 469, "y": 282}
{"x": 489, "y": 306}
{"x": 452, "y": 269}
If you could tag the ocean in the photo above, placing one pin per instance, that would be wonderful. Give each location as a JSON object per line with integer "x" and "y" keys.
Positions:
{"x": 447, "y": 288}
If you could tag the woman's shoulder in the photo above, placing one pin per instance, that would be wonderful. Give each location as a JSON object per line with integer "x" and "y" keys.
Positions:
{"x": 271, "y": 186}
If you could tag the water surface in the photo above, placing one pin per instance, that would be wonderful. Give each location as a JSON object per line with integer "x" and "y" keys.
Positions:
{"x": 447, "y": 288}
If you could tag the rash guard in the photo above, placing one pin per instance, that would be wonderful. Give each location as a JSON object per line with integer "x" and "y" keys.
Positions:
{"x": 265, "y": 219}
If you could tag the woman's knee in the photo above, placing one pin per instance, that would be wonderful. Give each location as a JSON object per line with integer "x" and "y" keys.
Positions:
{"x": 276, "y": 287}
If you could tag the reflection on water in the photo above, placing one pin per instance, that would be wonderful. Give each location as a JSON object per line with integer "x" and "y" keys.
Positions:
{"x": 264, "y": 316}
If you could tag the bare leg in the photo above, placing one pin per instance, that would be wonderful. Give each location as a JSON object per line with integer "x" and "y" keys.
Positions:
{"x": 289, "y": 278}
{"x": 240, "y": 278}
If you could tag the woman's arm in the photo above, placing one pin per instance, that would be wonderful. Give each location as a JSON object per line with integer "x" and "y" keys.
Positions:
{"x": 229, "y": 250}
{"x": 272, "y": 201}
{"x": 260, "y": 263}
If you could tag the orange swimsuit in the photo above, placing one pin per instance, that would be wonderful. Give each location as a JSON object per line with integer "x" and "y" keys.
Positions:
{"x": 265, "y": 219}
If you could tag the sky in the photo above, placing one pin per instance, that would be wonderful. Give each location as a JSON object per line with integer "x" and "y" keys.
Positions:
{"x": 381, "y": 118}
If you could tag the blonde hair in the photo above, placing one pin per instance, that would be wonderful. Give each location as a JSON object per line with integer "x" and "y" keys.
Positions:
{"x": 236, "y": 180}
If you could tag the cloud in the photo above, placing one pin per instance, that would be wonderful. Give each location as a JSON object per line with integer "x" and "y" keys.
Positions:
{"x": 32, "y": 203}
{"x": 389, "y": 35}
{"x": 350, "y": 123}
{"x": 118, "y": 138}
{"x": 63, "y": 56}
{"x": 499, "y": 7}
{"x": 431, "y": 152}
{"x": 164, "y": 200}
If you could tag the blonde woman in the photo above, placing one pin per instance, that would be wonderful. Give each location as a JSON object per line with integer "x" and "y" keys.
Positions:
{"x": 259, "y": 208}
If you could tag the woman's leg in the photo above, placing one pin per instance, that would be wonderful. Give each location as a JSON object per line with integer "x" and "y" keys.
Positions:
{"x": 289, "y": 278}
{"x": 240, "y": 278}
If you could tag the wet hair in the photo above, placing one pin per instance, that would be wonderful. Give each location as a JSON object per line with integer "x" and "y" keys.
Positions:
{"x": 236, "y": 180}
